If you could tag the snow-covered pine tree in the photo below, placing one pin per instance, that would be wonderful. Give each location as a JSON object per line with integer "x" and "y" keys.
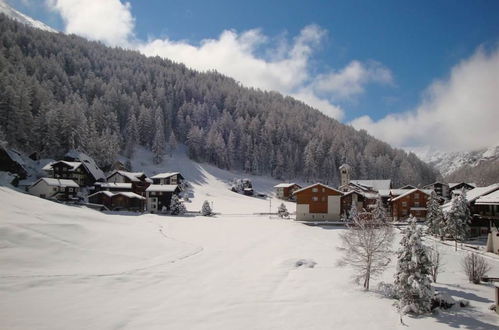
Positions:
{"x": 158, "y": 145}
{"x": 206, "y": 209}
{"x": 434, "y": 216}
{"x": 412, "y": 278}
{"x": 378, "y": 213}
{"x": 131, "y": 135}
{"x": 172, "y": 143}
{"x": 177, "y": 207}
{"x": 353, "y": 214}
{"x": 458, "y": 218}
{"x": 282, "y": 211}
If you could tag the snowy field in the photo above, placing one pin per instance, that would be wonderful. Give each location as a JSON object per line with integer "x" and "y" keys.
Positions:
{"x": 66, "y": 267}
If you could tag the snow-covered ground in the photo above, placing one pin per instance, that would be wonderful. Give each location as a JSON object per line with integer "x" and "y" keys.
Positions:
{"x": 67, "y": 267}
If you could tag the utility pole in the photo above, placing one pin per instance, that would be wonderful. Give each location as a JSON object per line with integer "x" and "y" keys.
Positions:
{"x": 270, "y": 206}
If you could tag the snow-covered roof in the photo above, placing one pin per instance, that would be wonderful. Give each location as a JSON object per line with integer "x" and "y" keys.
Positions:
{"x": 418, "y": 208}
{"x": 73, "y": 165}
{"x": 164, "y": 175}
{"x": 316, "y": 184}
{"x": 473, "y": 194}
{"x": 284, "y": 185}
{"x": 58, "y": 182}
{"x": 453, "y": 184}
{"x": 118, "y": 185}
{"x": 489, "y": 199}
{"x": 393, "y": 192}
{"x": 123, "y": 193}
{"x": 436, "y": 182}
{"x": 408, "y": 192}
{"x": 162, "y": 187}
{"x": 88, "y": 162}
{"x": 373, "y": 184}
{"x": 132, "y": 176}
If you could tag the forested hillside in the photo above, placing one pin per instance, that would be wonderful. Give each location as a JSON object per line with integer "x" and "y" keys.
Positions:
{"x": 59, "y": 92}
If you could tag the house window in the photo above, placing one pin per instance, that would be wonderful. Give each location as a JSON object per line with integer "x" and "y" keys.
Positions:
{"x": 416, "y": 204}
{"x": 416, "y": 196}
{"x": 404, "y": 204}
{"x": 315, "y": 190}
{"x": 70, "y": 189}
{"x": 323, "y": 190}
{"x": 55, "y": 188}
{"x": 315, "y": 198}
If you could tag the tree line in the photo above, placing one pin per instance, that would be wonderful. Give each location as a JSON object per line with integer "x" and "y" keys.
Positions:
{"x": 61, "y": 91}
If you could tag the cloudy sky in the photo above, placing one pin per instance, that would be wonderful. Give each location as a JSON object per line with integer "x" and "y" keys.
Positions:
{"x": 414, "y": 74}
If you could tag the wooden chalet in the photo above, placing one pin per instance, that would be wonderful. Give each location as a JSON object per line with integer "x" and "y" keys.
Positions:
{"x": 118, "y": 201}
{"x": 482, "y": 208}
{"x": 137, "y": 181}
{"x": 440, "y": 188}
{"x": 285, "y": 190}
{"x": 362, "y": 201}
{"x": 11, "y": 161}
{"x": 59, "y": 189}
{"x": 159, "y": 196}
{"x": 453, "y": 187}
{"x": 318, "y": 202}
{"x": 411, "y": 202}
{"x": 174, "y": 178}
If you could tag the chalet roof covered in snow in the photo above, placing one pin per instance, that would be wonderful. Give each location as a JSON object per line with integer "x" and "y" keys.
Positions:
{"x": 489, "y": 199}
{"x": 117, "y": 185}
{"x": 164, "y": 175}
{"x": 373, "y": 184}
{"x": 132, "y": 176}
{"x": 162, "y": 188}
{"x": 88, "y": 162}
{"x": 73, "y": 165}
{"x": 316, "y": 184}
{"x": 284, "y": 185}
{"x": 57, "y": 182}
{"x": 408, "y": 192}
{"x": 127, "y": 194}
{"x": 454, "y": 184}
{"x": 476, "y": 193}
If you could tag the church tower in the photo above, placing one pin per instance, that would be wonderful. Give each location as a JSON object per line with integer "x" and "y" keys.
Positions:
{"x": 345, "y": 174}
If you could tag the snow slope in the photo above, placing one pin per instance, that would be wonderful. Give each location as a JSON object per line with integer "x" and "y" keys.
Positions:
{"x": 65, "y": 267}
{"x": 212, "y": 184}
{"x": 20, "y": 17}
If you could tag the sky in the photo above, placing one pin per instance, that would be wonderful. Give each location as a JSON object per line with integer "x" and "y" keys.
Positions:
{"x": 417, "y": 75}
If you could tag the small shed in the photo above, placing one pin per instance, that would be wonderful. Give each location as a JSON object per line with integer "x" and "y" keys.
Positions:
{"x": 117, "y": 201}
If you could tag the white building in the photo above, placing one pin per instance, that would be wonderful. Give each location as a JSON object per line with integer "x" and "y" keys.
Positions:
{"x": 61, "y": 189}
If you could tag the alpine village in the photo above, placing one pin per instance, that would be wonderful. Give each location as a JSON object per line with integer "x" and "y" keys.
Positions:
{"x": 139, "y": 191}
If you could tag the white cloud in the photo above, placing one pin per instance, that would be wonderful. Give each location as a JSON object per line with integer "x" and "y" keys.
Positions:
{"x": 109, "y": 21}
{"x": 351, "y": 80}
{"x": 285, "y": 66}
{"x": 459, "y": 113}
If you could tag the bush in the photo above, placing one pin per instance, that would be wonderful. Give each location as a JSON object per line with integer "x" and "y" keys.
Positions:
{"x": 206, "y": 209}
{"x": 475, "y": 267}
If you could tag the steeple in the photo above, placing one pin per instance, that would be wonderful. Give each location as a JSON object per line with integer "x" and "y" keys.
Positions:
{"x": 345, "y": 174}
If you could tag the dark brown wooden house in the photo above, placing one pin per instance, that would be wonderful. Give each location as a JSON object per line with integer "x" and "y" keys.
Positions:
{"x": 318, "y": 202}
{"x": 174, "y": 178}
{"x": 138, "y": 180}
{"x": 285, "y": 190}
{"x": 118, "y": 201}
{"x": 363, "y": 201}
{"x": 159, "y": 196}
{"x": 413, "y": 202}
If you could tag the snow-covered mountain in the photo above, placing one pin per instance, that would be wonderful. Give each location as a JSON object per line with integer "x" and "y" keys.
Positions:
{"x": 20, "y": 17}
{"x": 449, "y": 162}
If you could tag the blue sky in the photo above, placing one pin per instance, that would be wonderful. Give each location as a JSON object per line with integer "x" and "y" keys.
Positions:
{"x": 380, "y": 59}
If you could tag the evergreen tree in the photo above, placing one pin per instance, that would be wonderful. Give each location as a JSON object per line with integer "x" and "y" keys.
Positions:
{"x": 378, "y": 212}
{"x": 282, "y": 211}
{"x": 412, "y": 278}
{"x": 131, "y": 135}
{"x": 158, "y": 145}
{"x": 206, "y": 209}
{"x": 177, "y": 207}
{"x": 434, "y": 217}
{"x": 172, "y": 143}
{"x": 458, "y": 218}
